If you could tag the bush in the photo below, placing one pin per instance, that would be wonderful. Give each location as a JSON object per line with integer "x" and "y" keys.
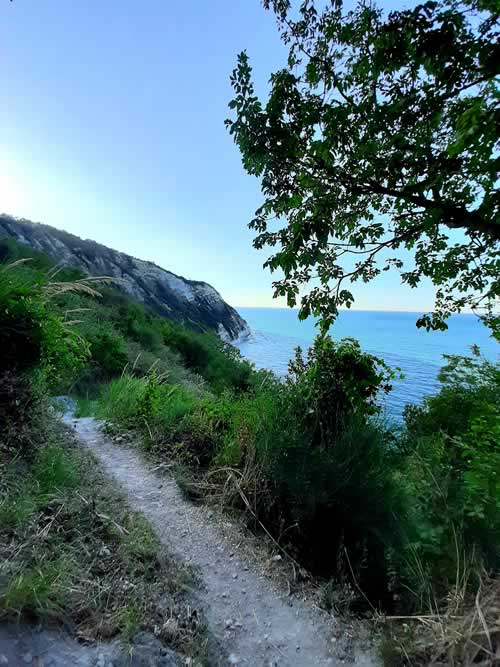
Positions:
{"x": 320, "y": 470}
{"x": 329, "y": 466}
{"x": 452, "y": 467}
{"x": 219, "y": 363}
{"x": 38, "y": 351}
{"x": 107, "y": 354}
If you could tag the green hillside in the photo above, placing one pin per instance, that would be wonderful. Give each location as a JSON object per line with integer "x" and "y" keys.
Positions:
{"x": 396, "y": 521}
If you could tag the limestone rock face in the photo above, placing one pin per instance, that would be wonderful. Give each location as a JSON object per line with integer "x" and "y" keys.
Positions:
{"x": 190, "y": 302}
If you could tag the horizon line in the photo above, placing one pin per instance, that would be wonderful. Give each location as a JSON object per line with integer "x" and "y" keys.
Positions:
{"x": 357, "y": 310}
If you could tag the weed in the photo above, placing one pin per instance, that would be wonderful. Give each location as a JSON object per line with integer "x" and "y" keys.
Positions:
{"x": 42, "y": 590}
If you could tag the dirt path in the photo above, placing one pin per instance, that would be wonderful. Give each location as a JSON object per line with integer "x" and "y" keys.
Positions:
{"x": 252, "y": 622}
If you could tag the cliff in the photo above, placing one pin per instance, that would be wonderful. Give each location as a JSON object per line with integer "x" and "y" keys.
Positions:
{"x": 193, "y": 303}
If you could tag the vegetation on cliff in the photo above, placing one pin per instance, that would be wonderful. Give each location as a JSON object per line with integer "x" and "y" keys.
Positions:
{"x": 399, "y": 521}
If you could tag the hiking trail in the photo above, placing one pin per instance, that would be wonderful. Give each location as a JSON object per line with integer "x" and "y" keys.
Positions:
{"x": 253, "y": 622}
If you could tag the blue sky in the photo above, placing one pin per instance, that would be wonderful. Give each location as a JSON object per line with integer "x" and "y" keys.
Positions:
{"x": 112, "y": 127}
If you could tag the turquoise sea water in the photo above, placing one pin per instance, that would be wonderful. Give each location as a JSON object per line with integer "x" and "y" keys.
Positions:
{"x": 276, "y": 332}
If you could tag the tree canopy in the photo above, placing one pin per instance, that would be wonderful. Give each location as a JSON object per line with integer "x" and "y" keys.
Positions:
{"x": 380, "y": 136}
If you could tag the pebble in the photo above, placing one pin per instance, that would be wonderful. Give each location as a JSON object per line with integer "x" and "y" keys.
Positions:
{"x": 276, "y": 558}
{"x": 233, "y": 659}
{"x": 28, "y": 658}
{"x": 235, "y": 576}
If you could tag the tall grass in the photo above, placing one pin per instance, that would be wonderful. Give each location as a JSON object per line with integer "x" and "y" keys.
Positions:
{"x": 260, "y": 450}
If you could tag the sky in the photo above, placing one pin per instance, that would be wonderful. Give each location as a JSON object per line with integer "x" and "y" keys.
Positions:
{"x": 112, "y": 128}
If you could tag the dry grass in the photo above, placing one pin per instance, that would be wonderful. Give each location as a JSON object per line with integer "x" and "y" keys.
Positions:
{"x": 465, "y": 632}
{"x": 72, "y": 552}
{"x": 84, "y": 286}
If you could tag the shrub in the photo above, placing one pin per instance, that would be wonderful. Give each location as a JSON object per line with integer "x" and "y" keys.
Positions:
{"x": 324, "y": 480}
{"x": 107, "y": 353}
{"x": 335, "y": 384}
{"x": 219, "y": 363}
{"x": 452, "y": 466}
{"x": 38, "y": 350}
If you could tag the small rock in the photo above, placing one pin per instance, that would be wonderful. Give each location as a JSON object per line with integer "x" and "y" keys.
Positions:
{"x": 233, "y": 659}
{"x": 28, "y": 658}
{"x": 210, "y": 514}
{"x": 229, "y": 623}
{"x": 276, "y": 558}
{"x": 243, "y": 590}
{"x": 3, "y": 659}
{"x": 235, "y": 576}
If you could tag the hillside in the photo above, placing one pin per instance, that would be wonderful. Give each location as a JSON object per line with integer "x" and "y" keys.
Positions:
{"x": 374, "y": 518}
{"x": 193, "y": 303}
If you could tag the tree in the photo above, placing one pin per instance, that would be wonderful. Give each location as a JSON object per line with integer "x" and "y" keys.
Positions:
{"x": 380, "y": 136}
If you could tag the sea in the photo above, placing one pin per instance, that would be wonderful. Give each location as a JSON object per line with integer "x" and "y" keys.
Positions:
{"x": 277, "y": 332}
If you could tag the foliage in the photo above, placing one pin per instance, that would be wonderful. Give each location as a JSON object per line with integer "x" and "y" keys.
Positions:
{"x": 452, "y": 474}
{"x": 32, "y": 333}
{"x": 319, "y": 471}
{"x": 108, "y": 352}
{"x": 337, "y": 382}
{"x": 328, "y": 464}
{"x": 114, "y": 331}
{"x": 379, "y": 137}
{"x": 38, "y": 351}
{"x": 219, "y": 363}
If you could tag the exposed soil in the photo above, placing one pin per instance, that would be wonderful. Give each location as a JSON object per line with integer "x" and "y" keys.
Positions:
{"x": 253, "y": 622}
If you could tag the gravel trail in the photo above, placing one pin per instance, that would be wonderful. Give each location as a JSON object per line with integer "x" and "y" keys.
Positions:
{"x": 250, "y": 619}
